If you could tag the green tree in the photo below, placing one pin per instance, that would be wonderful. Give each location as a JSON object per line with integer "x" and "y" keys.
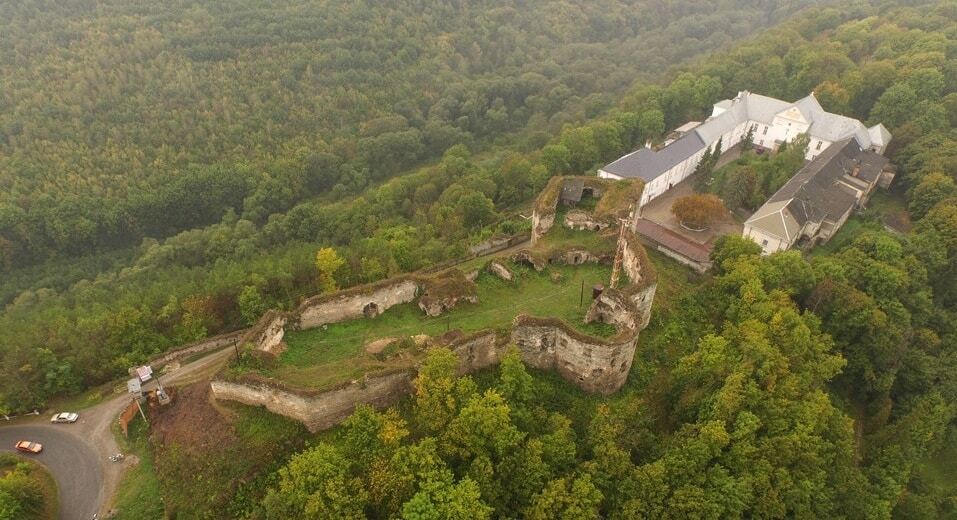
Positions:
{"x": 483, "y": 428}
{"x": 747, "y": 142}
{"x": 557, "y": 159}
{"x": 566, "y": 499}
{"x": 445, "y": 501}
{"x": 327, "y": 263}
{"x": 651, "y": 124}
{"x": 439, "y": 393}
{"x": 933, "y": 188}
{"x": 515, "y": 383}
{"x": 477, "y": 210}
{"x": 316, "y": 484}
{"x": 251, "y": 304}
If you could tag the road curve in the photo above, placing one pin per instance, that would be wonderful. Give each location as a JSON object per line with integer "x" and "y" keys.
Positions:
{"x": 77, "y": 453}
{"x": 74, "y": 464}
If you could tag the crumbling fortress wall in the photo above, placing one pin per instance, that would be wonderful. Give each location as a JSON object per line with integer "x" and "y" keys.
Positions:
{"x": 593, "y": 363}
{"x": 320, "y": 410}
{"x": 366, "y": 301}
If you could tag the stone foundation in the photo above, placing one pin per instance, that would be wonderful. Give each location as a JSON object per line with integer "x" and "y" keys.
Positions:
{"x": 580, "y": 220}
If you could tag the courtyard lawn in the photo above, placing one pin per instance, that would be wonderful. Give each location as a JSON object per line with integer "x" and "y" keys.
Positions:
{"x": 320, "y": 358}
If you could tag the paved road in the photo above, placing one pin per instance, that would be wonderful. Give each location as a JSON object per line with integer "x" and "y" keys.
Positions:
{"x": 77, "y": 454}
{"x": 73, "y": 462}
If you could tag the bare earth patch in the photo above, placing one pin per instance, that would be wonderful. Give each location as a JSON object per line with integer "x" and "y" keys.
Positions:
{"x": 377, "y": 346}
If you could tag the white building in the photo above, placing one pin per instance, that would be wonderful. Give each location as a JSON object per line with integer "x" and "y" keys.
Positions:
{"x": 774, "y": 122}
{"x": 818, "y": 199}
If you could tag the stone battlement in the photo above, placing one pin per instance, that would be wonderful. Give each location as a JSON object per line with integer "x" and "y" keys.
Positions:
{"x": 593, "y": 363}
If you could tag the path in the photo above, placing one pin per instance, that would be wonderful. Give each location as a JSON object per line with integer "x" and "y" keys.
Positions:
{"x": 77, "y": 454}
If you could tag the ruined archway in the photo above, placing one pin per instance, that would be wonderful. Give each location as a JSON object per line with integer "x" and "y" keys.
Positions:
{"x": 371, "y": 310}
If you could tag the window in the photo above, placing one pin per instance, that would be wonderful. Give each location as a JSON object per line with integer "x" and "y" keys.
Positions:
{"x": 819, "y": 145}
{"x": 765, "y": 132}
{"x": 764, "y": 243}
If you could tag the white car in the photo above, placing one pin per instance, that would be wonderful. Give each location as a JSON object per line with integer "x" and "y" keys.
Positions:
{"x": 65, "y": 417}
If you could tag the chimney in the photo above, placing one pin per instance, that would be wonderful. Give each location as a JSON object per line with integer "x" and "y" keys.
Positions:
{"x": 857, "y": 169}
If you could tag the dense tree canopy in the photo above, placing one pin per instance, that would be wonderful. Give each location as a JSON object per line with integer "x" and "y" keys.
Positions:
{"x": 121, "y": 120}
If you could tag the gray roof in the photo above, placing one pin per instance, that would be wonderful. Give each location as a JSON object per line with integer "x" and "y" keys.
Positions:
{"x": 819, "y": 191}
{"x": 879, "y": 134}
{"x": 648, "y": 164}
{"x": 572, "y": 190}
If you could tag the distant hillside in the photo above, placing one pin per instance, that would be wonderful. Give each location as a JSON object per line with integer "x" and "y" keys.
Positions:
{"x": 124, "y": 119}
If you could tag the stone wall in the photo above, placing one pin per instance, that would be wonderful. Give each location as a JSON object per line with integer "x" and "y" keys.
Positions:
{"x": 268, "y": 333}
{"x": 593, "y": 364}
{"x": 209, "y": 344}
{"x": 477, "y": 351}
{"x": 644, "y": 298}
{"x": 366, "y": 302}
{"x": 633, "y": 258}
{"x": 323, "y": 410}
{"x": 574, "y": 256}
{"x": 580, "y": 220}
{"x": 541, "y": 223}
{"x": 611, "y": 306}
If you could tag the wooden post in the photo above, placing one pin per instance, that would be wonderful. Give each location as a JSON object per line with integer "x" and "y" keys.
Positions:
{"x": 137, "y": 401}
{"x": 581, "y": 298}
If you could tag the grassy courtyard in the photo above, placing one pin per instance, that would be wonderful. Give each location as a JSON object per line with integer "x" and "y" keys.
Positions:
{"x": 320, "y": 358}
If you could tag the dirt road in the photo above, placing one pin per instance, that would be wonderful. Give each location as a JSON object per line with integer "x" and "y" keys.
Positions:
{"x": 78, "y": 454}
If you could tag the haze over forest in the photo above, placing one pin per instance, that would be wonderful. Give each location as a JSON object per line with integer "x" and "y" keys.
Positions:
{"x": 169, "y": 171}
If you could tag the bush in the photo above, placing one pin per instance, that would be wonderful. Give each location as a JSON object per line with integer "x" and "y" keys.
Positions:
{"x": 699, "y": 211}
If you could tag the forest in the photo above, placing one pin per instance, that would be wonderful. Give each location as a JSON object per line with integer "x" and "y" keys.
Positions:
{"x": 122, "y": 120}
{"x": 781, "y": 386}
{"x": 158, "y": 161}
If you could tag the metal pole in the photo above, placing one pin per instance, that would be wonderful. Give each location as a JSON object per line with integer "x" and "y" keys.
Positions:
{"x": 581, "y": 298}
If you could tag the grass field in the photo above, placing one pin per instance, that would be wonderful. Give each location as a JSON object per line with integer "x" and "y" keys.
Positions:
{"x": 319, "y": 357}
{"x": 138, "y": 495}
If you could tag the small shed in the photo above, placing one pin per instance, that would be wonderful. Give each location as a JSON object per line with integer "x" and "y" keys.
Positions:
{"x": 572, "y": 191}
{"x": 134, "y": 387}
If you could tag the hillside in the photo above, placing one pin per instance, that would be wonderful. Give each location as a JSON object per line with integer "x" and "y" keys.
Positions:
{"x": 781, "y": 386}
{"x": 124, "y": 119}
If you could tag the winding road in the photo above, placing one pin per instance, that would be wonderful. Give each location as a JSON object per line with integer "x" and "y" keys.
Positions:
{"x": 78, "y": 454}
{"x": 73, "y": 462}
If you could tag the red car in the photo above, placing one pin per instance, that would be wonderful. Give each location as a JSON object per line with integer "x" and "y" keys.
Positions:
{"x": 29, "y": 446}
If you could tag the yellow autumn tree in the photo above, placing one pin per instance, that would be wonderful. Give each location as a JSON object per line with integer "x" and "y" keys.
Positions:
{"x": 328, "y": 262}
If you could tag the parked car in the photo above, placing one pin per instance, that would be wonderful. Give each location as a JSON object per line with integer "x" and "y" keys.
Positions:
{"x": 65, "y": 417}
{"x": 29, "y": 446}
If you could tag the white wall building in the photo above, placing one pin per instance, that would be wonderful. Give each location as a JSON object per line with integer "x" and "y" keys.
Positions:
{"x": 818, "y": 199}
{"x": 774, "y": 122}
